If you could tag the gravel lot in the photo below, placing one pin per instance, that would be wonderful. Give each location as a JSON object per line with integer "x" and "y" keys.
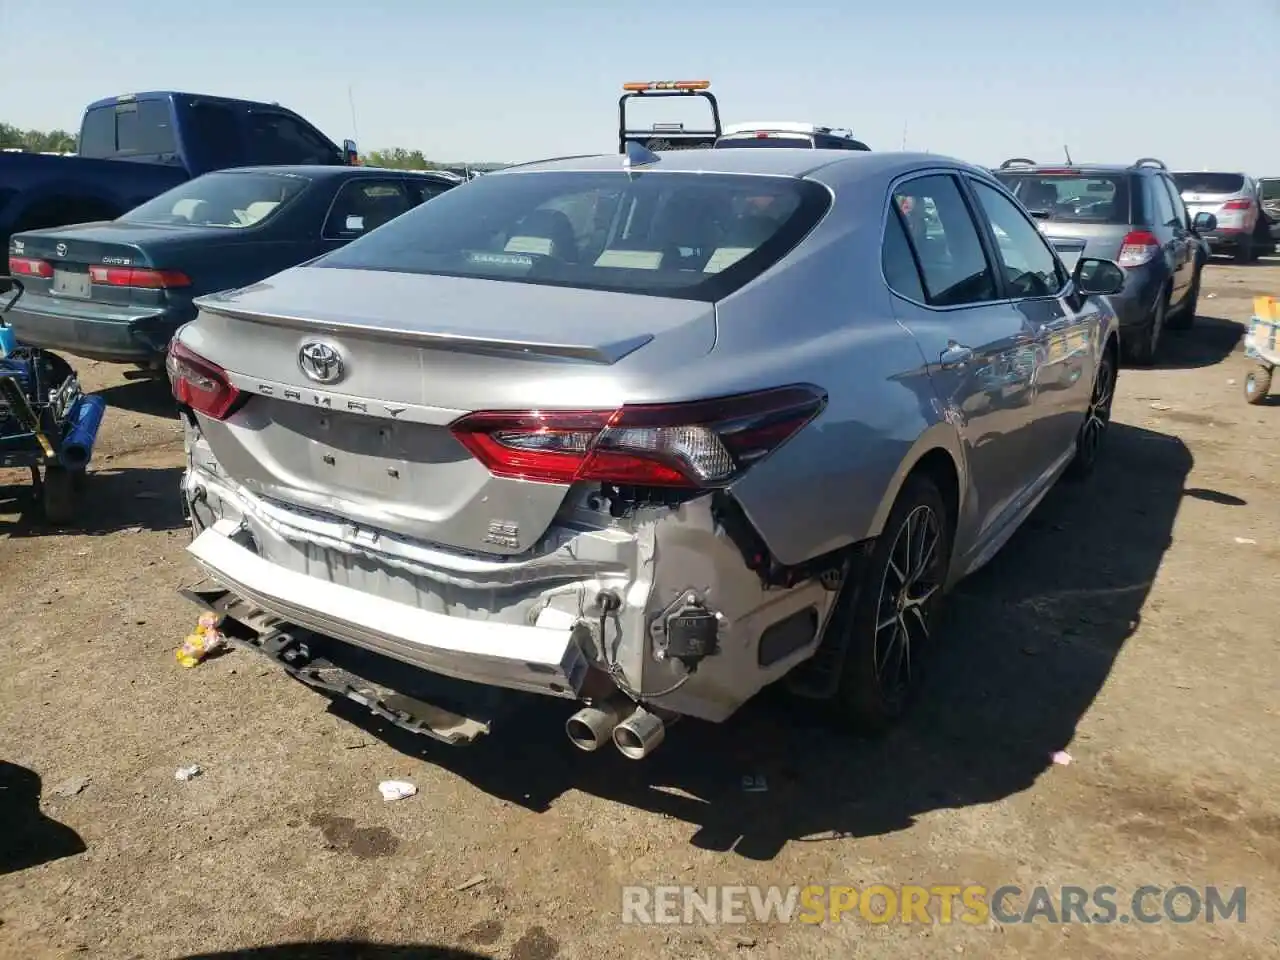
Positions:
{"x": 1131, "y": 623}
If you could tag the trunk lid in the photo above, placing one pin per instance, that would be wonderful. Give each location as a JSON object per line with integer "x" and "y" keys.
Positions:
{"x": 1076, "y": 240}
{"x": 369, "y": 441}
{"x": 72, "y": 250}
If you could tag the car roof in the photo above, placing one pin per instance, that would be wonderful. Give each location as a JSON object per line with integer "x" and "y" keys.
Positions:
{"x": 782, "y": 162}
{"x": 319, "y": 171}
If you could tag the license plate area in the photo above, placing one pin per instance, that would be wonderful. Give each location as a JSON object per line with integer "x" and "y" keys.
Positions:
{"x": 71, "y": 283}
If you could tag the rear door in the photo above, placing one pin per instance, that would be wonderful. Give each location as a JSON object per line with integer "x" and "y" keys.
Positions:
{"x": 981, "y": 352}
{"x": 1172, "y": 234}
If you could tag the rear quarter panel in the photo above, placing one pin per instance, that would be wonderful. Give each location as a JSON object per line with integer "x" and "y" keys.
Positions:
{"x": 826, "y": 318}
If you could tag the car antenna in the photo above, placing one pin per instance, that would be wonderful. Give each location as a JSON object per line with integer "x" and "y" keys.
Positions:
{"x": 1067, "y": 151}
{"x": 638, "y": 155}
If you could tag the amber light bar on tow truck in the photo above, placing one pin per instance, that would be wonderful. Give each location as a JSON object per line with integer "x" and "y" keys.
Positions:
{"x": 647, "y": 86}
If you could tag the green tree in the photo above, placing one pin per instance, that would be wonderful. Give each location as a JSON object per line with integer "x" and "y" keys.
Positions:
{"x": 38, "y": 141}
{"x": 398, "y": 158}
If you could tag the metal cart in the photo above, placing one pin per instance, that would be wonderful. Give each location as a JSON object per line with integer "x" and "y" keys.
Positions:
{"x": 47, "y": 423}
{"x": 1262, "y": 345}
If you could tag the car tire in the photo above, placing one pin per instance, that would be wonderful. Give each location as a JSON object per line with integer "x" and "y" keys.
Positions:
{"x": 1097, "y": 419}
{"x": 1244, "y": 250}
{"x": 1257, "y": 385}
{"x": 1142, "y": 351}
{"x": 888, "y": 613}
{"x": 1185, "y": 318}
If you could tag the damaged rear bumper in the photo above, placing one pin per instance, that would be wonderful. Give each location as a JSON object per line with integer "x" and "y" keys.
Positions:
{"x": 534, "y": 659}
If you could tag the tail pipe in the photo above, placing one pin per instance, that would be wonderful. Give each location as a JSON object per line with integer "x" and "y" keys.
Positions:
{"x": 591, "y": 727}
{"x": 82, "y": 431}
{"x": 639, "y": 734}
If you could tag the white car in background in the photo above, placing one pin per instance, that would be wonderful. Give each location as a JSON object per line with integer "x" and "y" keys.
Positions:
{"x": 786, "y": 133}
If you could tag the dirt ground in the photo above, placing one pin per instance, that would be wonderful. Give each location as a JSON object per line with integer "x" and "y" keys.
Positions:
{"x": 1132, "y": 623}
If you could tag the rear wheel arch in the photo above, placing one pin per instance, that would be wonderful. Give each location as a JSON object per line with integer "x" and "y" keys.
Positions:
{"x": 937, "y": 457}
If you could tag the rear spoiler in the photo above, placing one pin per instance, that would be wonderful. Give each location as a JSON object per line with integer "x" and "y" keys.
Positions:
{"x": 607, "y": 352}
{"x": 670, "y": 136}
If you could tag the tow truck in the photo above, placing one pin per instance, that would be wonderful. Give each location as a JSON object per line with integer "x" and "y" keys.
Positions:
{"x": 667, "y": 136}
{"x": 675, "y": 136}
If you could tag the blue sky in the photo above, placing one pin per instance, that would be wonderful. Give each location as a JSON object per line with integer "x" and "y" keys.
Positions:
{"x": 1194, "y": 83}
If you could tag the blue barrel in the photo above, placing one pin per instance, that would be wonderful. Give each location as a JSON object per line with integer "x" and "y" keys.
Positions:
{"x": 81, "y": 431}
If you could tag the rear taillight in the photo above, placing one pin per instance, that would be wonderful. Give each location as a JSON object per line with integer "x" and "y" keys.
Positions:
{"x": 199, "y": 383}
{"x": 703, "y": 444}
{"x": 28, "y": 267}
{"x": 1237, "y": 205}
{"x": 1137, "y": 248}
{"x": 138, "y": 277}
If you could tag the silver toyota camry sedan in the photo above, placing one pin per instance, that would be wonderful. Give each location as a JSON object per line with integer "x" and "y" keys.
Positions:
{"x": 642, "y": 432}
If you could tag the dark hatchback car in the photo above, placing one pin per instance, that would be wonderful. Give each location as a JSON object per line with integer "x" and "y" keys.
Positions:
{"x": 117, "y": 290}
{"x": 1134, "y": 216}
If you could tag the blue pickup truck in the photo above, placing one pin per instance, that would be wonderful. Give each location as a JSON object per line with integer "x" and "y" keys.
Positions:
{"x": 135, "y": 147}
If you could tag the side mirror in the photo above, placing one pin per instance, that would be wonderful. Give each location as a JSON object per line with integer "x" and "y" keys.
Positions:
{"x": 1204, "y": 223}
{"x": 350, "y": 155}
{"x": 1094, "y": 277}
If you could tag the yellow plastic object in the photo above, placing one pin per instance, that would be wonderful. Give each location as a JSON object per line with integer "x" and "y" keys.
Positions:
{"x": 1267, "y": 308}
{"x": 204, "y": 641}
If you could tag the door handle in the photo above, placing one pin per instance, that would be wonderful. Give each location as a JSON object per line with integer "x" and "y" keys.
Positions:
{"x": 955, "y": 355}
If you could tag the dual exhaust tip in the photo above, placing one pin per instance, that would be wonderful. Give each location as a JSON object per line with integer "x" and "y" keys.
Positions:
{"x": 634, "y": 730}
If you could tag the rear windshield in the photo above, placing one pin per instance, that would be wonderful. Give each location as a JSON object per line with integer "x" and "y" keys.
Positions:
{"x": 697, "y": 236}
{"x": 1209, "y": 182}
{"x": 225, "y": 199}
{"x": 1072, "y": 197}
{"x": 754, "y": 141}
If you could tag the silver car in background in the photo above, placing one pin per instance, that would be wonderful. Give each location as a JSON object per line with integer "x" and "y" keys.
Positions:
{"x": 1233, "y": 199}
{"x": 641, "y": 432}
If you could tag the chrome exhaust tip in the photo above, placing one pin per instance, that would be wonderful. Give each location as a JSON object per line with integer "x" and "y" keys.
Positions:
{"x": 639, "y": 734}
{"x": 591, "y": 727}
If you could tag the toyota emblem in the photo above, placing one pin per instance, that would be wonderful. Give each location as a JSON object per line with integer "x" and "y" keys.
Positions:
{"x": 60, "y": 249}
{"x": 320, "y": 362}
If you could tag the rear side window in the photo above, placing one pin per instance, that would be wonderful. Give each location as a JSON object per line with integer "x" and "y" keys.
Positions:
{"x": 1269, "y": 189}
{"x": 1163, "y": 213}
{"x": 899, "y": 263}
{"x": 945, "y": 240}
{"x": 1209, "y": 182}
{"x": 128, "y": 129}
{"x": 98, "y": 133}
{"x": 687, "y": 235}
{"x": 1072, "y": 197}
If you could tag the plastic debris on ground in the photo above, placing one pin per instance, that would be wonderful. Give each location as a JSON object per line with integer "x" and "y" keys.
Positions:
{"x": 188, "y": 773}
{"x": 207, "y": 639}
{"x": 71, "y": 787}
{"x": 396, "y": 789}
{"x": 1245, "y": 541}
{"x": 475, "y": 881}
{"x": 1061, "y": 758}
